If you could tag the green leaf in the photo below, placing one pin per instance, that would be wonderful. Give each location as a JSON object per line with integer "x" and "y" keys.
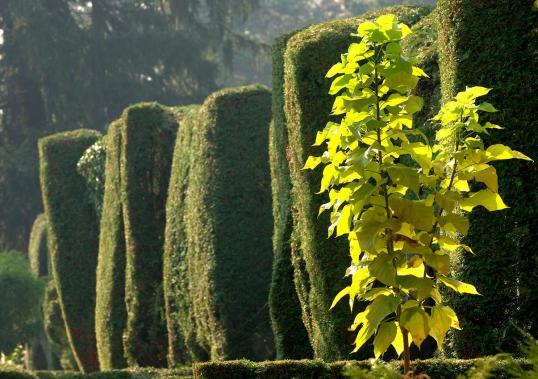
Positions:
{"x": 454, "y": 223}
{"x": 422, "y": 286}
{"x": 421, "y": 153}
{"x": 440, "y": 262}
{"x": 441, "y": 319}
{"x": 413, "y": 212}
{"x": 458, "y": 286}
{"x": 488, "y": 176}
{"x": 487, "y": 107}
{"x": 344, "y": 221}
{"x": 486, "y": 198}
{"x": 472, "y": 93}
{"x": 339, "y": 296}
{"x": 383, "y": 269}
{"x": 501, "y": 152}
{"x": 384, "y": 337}
{"x": 312, "y": 163}
{"x": 405, "y": 176}
{"x": 415, "y": 320}
{"x": 398, "y": 342}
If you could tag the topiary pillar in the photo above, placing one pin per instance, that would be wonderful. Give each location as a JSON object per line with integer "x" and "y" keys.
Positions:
{"x": 147, "y": 145}
{"x": 182, "y": 344}
{"x": 291, "y": 339}
{"x": 494, "y": 43}
{"x": 73, "y": 238}
{"x": 228, "y": 224}
{"x": 320, "y": 264}
{"x": 110, "y": 313}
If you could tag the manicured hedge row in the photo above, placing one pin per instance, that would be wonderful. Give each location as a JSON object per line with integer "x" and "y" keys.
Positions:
{"x": 110, "y": 312}
{"x": 37, "y": 247}
{"x": 228, "y": 224}
{"x": 309, "y": 54}
{"x": 73, "y": 237}
{"x": 134, "y": 373}
{"x": 291, "y": 339}
{"x": 148, "y": 137}
{"x": 316, "y": 369}
{"x": 182, "y": 344}
{"x": 494, "y": 43}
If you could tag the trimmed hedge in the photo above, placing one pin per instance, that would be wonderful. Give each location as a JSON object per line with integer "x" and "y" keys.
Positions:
{"x": 228, "y": 224}
{"x": 291, "y": 339}
{"x": 110, "y": 312}
{"x": 73, "y": 237}
{"x": 494, "y": 43}
{"x": 321, "y": 261}
{"x": 132, "y": 373}
{"x": 182, "y": 344}
{"x": 316, "y": 369}
{"x": 37, "y": 247}
{"x": 147, "y": 145}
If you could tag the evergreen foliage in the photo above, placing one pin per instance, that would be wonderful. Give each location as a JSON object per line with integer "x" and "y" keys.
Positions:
{"x": 182, "y": 343}
{"x": 228, "y": 224}
{"x": 309, "y": 54}
{"x": 495, "y": 43}
{"x": 110, "y": 312}
{"x": 291, "y": 339}
{"x": 73, "y": 237}
{"x": 37, "y": 247}
{"x": 91, "y": 166}
{"x": 147, "y": 143}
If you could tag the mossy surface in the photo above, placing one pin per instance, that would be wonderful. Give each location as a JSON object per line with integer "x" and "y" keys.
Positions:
{"x": 73, "y": 238}
{"x": 320, "y": 262}
{"x": 148, "y": 137}
{"x": 182, "y": 344}
{"x": 494, "y": 43}
{"x": 228, "y": 224}
{"x": 110, "y": 312}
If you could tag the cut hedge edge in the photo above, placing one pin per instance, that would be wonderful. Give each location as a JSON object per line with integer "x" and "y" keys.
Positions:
{"x": 182, "y": 344}
{"x": 309, "y": 54}
{"x": 73, "y": 237}
{"x": 110, "y": 312}
{"x": 291, "y": 338}
{"x": 37, "y": 247}
{"x": 147, "y": 145}
{"x": 228, "y": 224}
{"x": 494, "y": 43}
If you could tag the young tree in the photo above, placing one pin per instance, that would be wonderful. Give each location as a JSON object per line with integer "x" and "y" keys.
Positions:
{"x": 401, "y": 201}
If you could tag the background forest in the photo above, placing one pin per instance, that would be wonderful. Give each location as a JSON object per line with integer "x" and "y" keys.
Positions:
{"x": 68, "y": 64}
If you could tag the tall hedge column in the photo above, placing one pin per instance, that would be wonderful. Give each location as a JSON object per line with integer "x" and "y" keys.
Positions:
{"x": 110, "y": 313}
{"x": 228, "y": 224}
{"x": 73, "y": 238}
{"x": 494, "y": 43}
{"x": 319, "y": 263}
{"x": 146, "y": 156}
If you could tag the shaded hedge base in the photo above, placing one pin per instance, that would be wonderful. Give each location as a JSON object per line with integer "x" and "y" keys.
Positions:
{"x": 297, "y": 369}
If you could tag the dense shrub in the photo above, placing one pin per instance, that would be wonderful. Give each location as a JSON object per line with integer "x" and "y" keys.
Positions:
{"x": 182, "y": 344}
{"x": 320, "y": 263}
{"x": 37, "y": 247}
{"x": 110, "y": 313}
{"x": 91, "y": 166}
{"x": 73, "y": 237}
{"x": 494, "y": 43}
{"x": 228, "y": 224}
{"x": 20, "y": 296}
{"x": 291, "y": 339}
{"x": 147, "y": 143}
{"x": 132, "y": 373}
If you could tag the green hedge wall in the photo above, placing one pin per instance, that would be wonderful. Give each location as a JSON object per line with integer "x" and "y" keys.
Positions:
{"x": 291, "y": 339}
{"x": 73, "y": 237}
{"x": 228, "y": 224}
{"x": 110, "y": 312}
{"x": 37, "y": 247}
{"x": 182, "y": 344}
{"x": 147, "y": 145}
{"x": 317, "y": 369}
{"x": 309, "y": 54}
{"x": 494, "y": 43}
{"x": 10, "y": 372}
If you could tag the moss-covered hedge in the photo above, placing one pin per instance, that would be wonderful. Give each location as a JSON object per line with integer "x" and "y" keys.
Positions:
{"x": 317, "y": 369}
{"x": 494, "y": 43}
{"x": 73, "y": 237}
{"x": 37, "y": 247}
{"x": 132, "y": 373}
{"x": 182, "y": 344}
{"x": 291, "y": 339}
{"x": 309, "y": 54}
{"x": 110, "y": 312}
{"x": 147, "y": 145}
{"x": 228, "y": 224}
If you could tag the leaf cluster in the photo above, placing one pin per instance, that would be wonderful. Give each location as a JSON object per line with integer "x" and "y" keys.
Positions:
{"x": 400, "y": 199}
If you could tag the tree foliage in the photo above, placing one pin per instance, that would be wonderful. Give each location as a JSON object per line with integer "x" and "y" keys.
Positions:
{"x": 401, "y": 200}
